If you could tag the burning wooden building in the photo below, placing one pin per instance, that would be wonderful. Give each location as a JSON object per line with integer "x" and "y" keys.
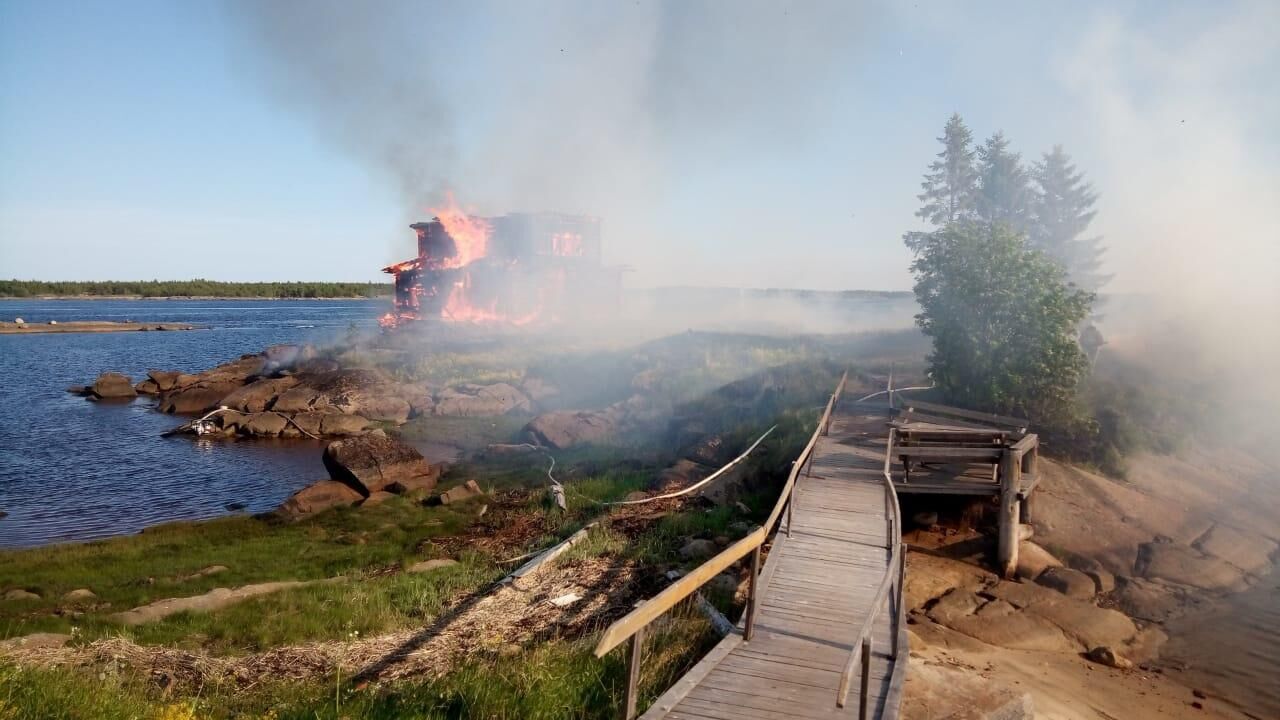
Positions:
{"x": 517, "y": 269}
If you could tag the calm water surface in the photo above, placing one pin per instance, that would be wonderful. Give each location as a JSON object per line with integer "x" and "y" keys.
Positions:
{"x": 71, "y": 469}
{"x": 1233, "y": 651}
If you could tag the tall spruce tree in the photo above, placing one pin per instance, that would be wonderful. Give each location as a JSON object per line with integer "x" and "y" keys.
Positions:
{"x": 1062, "y": 208}
{"x": 1004, "y": 189}
{"x": 950, "y": 184}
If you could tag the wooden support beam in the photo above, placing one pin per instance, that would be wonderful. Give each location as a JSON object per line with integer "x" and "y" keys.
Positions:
{"x": 753, "y": 592}
{"x": 1010, "y": 482}
{"x": 634, "y": 658}
{"x": 865, "y": 704}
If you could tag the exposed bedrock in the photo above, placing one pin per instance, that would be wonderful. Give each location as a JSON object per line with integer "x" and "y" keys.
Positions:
{"x": 373, "y": 462}
{"x": 1057, "y": 613}
{"x": 470, "y": 400}
{"x": 112, "y": 386}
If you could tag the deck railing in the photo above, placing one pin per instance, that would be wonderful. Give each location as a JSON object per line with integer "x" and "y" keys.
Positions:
{"x": 889, "y": 590}
{"x": 632, "y": 626}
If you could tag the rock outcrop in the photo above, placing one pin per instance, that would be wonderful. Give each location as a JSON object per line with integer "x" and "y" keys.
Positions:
{"x": 113, "y": 386}
{"x": 479, "y": 400}
{"x": 1071, "y": 583}
{"x": 564, "y": 429}
{"x": 317, "y": 497}
{"x": 312, "y": 393}
{"x": 373, "y": 462}
{"x": 1186, "y": 566}
{"x": 197, "y": 398}
{"x": 258, "y": 395}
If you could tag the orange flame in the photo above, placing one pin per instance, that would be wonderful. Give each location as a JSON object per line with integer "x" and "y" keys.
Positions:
{"x": 470, "y": 234}
{"x": 458, "y": 308}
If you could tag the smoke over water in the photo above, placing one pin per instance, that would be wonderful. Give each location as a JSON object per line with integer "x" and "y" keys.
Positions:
{"x": 579, "y": 107}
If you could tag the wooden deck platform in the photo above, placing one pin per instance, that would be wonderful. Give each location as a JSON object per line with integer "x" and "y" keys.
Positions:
{"x": 817, "y": 587}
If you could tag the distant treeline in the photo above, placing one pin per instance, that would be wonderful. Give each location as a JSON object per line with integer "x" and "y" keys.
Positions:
{"x": 192, "y": 288}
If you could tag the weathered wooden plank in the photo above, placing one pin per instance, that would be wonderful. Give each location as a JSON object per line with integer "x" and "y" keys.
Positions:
{"x": 944, "y": 454}
{"x": 971, "y": 414}
{"x": 707, "y": 708}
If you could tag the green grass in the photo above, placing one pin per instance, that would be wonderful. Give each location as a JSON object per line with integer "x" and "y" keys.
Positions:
{"x": 557, "y": 679}
{"x": 126, "y": 572}
{"x": 361, "y": 606}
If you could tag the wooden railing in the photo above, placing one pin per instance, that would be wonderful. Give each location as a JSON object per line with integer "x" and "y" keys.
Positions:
{"x": 632, "y": 626}
{"x": 890, "y": 589}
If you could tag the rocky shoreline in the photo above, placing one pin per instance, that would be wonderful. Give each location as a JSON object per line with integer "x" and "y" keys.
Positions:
{"x": 292, "y": 391}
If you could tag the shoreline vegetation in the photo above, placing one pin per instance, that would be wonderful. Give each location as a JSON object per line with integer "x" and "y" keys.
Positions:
{"x": 197, "y": 289}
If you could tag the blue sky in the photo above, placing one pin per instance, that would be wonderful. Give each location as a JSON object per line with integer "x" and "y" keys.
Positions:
{"x": 780, "y": 145}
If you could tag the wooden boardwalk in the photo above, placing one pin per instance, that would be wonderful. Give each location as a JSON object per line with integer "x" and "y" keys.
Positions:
{"x": 816, "y": 590}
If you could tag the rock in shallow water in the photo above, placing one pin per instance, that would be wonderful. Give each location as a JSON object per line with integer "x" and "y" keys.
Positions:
{"x": 113, "y": 386}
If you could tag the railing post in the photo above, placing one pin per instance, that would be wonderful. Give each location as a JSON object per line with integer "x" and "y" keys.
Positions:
{"x": 863, "y": 709}
{"x": 634, "y": 658}
{"x": 791, "y": 506}
{"x": 900, "y": 613}
{"x": 752, "y": 591}
{"x": 1010, "y": 484}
